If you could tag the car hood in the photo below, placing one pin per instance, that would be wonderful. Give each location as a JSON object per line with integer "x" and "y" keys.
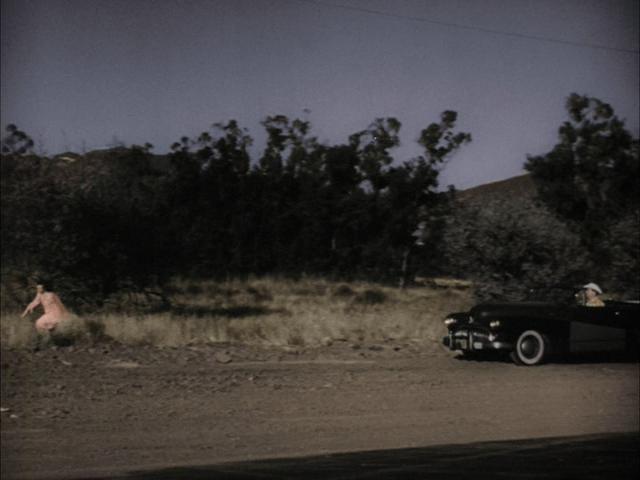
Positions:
{"x": 486, "y": 312}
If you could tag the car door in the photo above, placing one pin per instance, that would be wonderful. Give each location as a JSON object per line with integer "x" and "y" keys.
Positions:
{"x": 596, "y": 329}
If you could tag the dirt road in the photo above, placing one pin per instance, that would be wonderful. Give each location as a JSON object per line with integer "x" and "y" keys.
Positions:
{"x": 92, "y": 412}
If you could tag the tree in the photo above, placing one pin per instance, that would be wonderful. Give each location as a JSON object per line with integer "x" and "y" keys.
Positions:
{"x": 124, "y": 219}
{"x": 589, "y": 178}
{"x": 287, "y": 144}
{"x": 372, "y": 146}
{"x": 439, "y": 140}
{"x": 92, "y": 224}
{"x": 16, "y": 142}
{"x": 426, "y": 208}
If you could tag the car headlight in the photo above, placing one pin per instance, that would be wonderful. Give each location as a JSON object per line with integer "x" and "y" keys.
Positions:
{"x": 450, "y": 321}
{"x": 494, "y": 323}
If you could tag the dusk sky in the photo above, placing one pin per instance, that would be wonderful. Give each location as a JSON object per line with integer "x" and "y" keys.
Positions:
{"x": 77, "y": 74}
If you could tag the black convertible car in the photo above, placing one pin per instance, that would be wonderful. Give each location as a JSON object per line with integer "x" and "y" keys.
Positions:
{"x": 532, "y": 331}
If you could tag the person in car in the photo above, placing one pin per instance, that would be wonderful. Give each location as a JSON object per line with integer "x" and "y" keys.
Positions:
{"x": 592, "y": 294}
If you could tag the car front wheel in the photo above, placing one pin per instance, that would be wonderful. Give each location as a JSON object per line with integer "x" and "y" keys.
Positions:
{"x": 532, "y": 348}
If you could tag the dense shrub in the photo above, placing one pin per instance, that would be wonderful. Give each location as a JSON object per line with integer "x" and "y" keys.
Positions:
{"x": 510, "y": 247}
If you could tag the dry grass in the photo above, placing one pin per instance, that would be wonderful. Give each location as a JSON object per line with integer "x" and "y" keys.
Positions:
{"x": 268, "y": 311}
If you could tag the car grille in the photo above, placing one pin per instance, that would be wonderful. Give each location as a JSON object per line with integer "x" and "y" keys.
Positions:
{"x": 464, "y": 338}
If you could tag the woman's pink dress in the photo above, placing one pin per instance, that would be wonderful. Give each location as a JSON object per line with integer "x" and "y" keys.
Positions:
{"x": 54, "y": 311}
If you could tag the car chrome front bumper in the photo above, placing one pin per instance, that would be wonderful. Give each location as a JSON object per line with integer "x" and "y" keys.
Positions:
{"x": 473, "y": 340}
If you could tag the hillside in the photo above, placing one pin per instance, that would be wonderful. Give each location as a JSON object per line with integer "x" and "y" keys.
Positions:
{"x": 514, "y": 188}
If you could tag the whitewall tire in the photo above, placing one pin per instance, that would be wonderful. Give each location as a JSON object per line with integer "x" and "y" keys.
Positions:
{"x": 532, "y": 348}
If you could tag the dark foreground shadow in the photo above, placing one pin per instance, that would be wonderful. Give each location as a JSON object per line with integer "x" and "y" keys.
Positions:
{"x": 611, "y": 456}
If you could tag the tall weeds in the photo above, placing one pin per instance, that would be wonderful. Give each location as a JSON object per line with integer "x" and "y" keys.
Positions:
{"x": 268, "y": 311}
